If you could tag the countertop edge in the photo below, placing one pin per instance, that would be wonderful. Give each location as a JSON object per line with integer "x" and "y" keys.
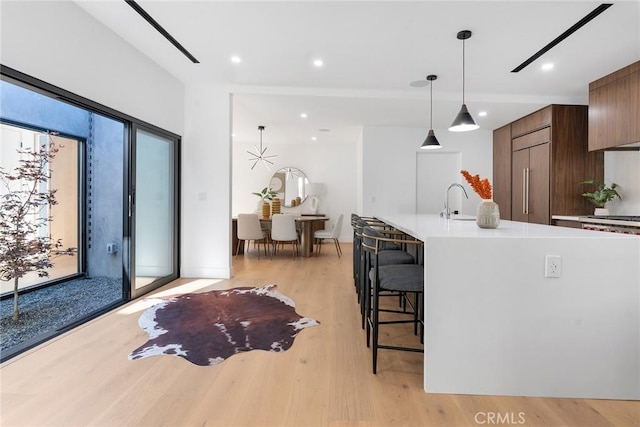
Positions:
{"x": 585, "y": 219}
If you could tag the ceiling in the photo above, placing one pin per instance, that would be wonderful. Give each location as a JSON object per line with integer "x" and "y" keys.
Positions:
{"x": 372, "y": 51}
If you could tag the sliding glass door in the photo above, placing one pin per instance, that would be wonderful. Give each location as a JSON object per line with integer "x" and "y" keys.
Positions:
{"x": 154, "y": 209}
{"x": 117, "y": 186}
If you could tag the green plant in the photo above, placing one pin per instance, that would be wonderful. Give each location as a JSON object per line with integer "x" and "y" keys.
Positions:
{"x": 602, "y": 193}
{"x": 266, "y": 194}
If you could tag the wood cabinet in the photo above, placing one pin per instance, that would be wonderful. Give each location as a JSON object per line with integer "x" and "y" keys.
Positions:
{"x": 502, "y": 170}
{"x": 549, "y": 159}
{"x": 531, "y": 123}
{"x": 530, "y": 186}
{"x": 614, "y": 109}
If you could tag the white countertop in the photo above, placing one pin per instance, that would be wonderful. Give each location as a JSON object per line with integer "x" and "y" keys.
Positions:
{"x": 423, "y": 226}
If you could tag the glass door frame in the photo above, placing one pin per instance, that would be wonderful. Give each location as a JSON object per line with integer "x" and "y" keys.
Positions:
{"x": 130, "y": 212}
{"x": 130, "y": 124}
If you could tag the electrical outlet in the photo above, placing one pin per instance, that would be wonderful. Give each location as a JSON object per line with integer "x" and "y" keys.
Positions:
{"x": 552, "y": 266}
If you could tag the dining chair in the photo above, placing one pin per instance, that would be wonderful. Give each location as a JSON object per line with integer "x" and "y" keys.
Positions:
{"x": 283, "y": 229}
{"x": 333, "y": 234}
{"x": 249, "y": 229}
{"x": 406, "y": 280}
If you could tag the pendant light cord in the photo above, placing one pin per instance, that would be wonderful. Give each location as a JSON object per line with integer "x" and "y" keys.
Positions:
{"x": 463, "y": 71}
{"x": 431, "y": 105}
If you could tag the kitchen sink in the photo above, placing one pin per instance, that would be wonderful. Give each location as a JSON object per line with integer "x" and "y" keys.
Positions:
{"x": 463, "y": 218}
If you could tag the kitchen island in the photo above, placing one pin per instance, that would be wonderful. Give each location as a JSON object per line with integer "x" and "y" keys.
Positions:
{"x": 495, "y": 325}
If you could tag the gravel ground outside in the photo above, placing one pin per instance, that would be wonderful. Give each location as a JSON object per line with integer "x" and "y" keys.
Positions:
{"x": 48, "y": 309}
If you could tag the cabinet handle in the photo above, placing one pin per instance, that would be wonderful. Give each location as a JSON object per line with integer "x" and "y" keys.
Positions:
{"x": 528, "y": 177}
{"x": 524, "y": 191}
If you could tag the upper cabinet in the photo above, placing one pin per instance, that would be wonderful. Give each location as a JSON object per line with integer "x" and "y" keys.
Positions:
{"x": 614, "y": 109}
{"x": 531, "y": 123}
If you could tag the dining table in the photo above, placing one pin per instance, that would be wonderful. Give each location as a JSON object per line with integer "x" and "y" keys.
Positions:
{"x": 308, "y": 224}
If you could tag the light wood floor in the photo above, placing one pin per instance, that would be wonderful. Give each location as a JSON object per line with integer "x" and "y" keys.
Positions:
{"x": 85, "y": 379}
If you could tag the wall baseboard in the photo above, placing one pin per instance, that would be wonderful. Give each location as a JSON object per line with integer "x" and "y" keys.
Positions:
{"x": 205, "y": 273}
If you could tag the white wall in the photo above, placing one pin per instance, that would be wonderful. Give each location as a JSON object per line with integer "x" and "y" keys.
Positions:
{"x": 389, "y": 166}
{"x": 623, "y": 168}
{"x": 206, "y": 185}
{"x": 360, "y": 172}
{"x": 334, "y": 165}
{"x": 60, "y": 43}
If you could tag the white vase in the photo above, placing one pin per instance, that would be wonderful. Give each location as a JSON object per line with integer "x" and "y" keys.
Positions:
{"x": 601, "y": 211}
{"x": 488, "y": 214}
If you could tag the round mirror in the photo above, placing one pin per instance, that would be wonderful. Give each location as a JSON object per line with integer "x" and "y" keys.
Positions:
{"x": 291, "y": 186}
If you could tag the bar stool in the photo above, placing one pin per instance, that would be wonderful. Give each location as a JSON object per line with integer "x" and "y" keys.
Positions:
{"x": 407, "y": 280}
{"x": 390, "y": 253}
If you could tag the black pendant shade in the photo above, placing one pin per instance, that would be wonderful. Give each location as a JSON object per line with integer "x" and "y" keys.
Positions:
{"x": 463, "y": 121}
{"x": 431, "y": 142}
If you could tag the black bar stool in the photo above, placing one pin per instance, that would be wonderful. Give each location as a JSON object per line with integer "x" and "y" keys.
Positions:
{"x": 407, "y": 280}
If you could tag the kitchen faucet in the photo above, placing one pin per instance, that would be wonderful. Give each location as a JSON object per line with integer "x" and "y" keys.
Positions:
{"x": 447, "y": 211}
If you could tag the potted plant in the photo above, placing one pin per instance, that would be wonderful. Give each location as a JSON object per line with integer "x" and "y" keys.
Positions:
{"x": 266, "y": 195}
{"x": 601, "y": 195}
{"x": 488, "y": 211}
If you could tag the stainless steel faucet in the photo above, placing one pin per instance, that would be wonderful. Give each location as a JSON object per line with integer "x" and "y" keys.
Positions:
{"x": 447, "y": 211}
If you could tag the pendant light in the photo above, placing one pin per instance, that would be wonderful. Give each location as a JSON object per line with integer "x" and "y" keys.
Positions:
{"x": 463, "y": 121}
{"x": 431, "y": 142}
{"x": 259, "y": 154}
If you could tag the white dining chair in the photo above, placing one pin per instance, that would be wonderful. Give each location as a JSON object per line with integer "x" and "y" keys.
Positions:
{"x": 283, "y": 229}
{"x": 249, "y": 229}
{"x": 333, "y": 234}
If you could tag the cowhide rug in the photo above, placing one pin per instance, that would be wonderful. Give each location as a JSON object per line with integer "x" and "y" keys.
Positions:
{"x": 206, "y": 328}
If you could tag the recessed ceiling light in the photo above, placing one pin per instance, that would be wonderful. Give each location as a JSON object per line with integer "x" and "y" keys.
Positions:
{"x": 318, "y": 62}
{"x": 482, "y": 113}
{"x": 303, "y": 115}
{"x": 547, "y": 66}
{"x": 236, "y": 59}
{"x": 313, "y": 138}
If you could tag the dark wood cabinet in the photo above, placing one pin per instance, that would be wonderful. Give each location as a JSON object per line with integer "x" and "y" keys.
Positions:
{"x": 531, "y": 123}
{"x": 549, "y": 159}
{"x": 502, "y": 170}
{"x": 530, "y": 195}
{"x": 614, "y": 109}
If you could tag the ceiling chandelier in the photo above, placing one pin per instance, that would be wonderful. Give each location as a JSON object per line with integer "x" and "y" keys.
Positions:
{"x": 259, "y": 154}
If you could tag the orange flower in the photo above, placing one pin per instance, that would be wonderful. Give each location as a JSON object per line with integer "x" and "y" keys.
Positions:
{"x": 481, "y": 186}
